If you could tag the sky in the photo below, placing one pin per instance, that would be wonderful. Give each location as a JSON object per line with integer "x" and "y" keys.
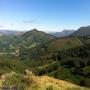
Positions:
{"x": 44, "y": 15}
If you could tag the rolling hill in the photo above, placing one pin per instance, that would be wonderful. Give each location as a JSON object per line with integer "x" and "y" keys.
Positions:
{"x": 35, "y": 37}
{"x": 64, "y": 43}
{"x": 51, "y": 46}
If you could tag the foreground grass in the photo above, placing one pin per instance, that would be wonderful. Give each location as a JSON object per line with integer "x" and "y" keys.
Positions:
{"x": 32, "y": 82}
{"x": 49, "y": 83}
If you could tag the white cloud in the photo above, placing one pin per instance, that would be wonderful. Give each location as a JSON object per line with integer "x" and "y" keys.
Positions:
{"x": 29, "y": 21}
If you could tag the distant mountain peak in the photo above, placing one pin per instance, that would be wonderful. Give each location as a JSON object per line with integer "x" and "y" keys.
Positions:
{"x": 82, "y": 31}
{"x": 35, "y": 36}
{"x": 64, "y": 33}
{"x": 35, "y": 30}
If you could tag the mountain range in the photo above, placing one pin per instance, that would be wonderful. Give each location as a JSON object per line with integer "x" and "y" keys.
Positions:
{"x": 64, "y": 33}
{"x": 11, "y": 32}
{"x": 82, "y": 31}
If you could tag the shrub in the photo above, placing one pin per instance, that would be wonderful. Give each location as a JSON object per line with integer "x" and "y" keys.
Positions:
{"x": 16, "y": 80}
{"x": 62, "y": 73}
{"x": 49, "y": 88}
{"x": 85, "y": 82}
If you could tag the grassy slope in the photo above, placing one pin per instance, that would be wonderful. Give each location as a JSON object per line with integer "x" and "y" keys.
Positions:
{"x": 45, "y": 82}
{"x": 49, "y": 83}
{"x": 65, "y": 43}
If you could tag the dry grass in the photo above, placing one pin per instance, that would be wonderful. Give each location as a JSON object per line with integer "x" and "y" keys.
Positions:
{"x": 49, "y": 83}
{"x": 0, "y": 82}
{"x": 44, "y": 81}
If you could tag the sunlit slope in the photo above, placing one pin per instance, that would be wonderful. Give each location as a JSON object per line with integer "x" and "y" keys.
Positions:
{"x": 64, "y": 43}
{"x": 49, "y": 83}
